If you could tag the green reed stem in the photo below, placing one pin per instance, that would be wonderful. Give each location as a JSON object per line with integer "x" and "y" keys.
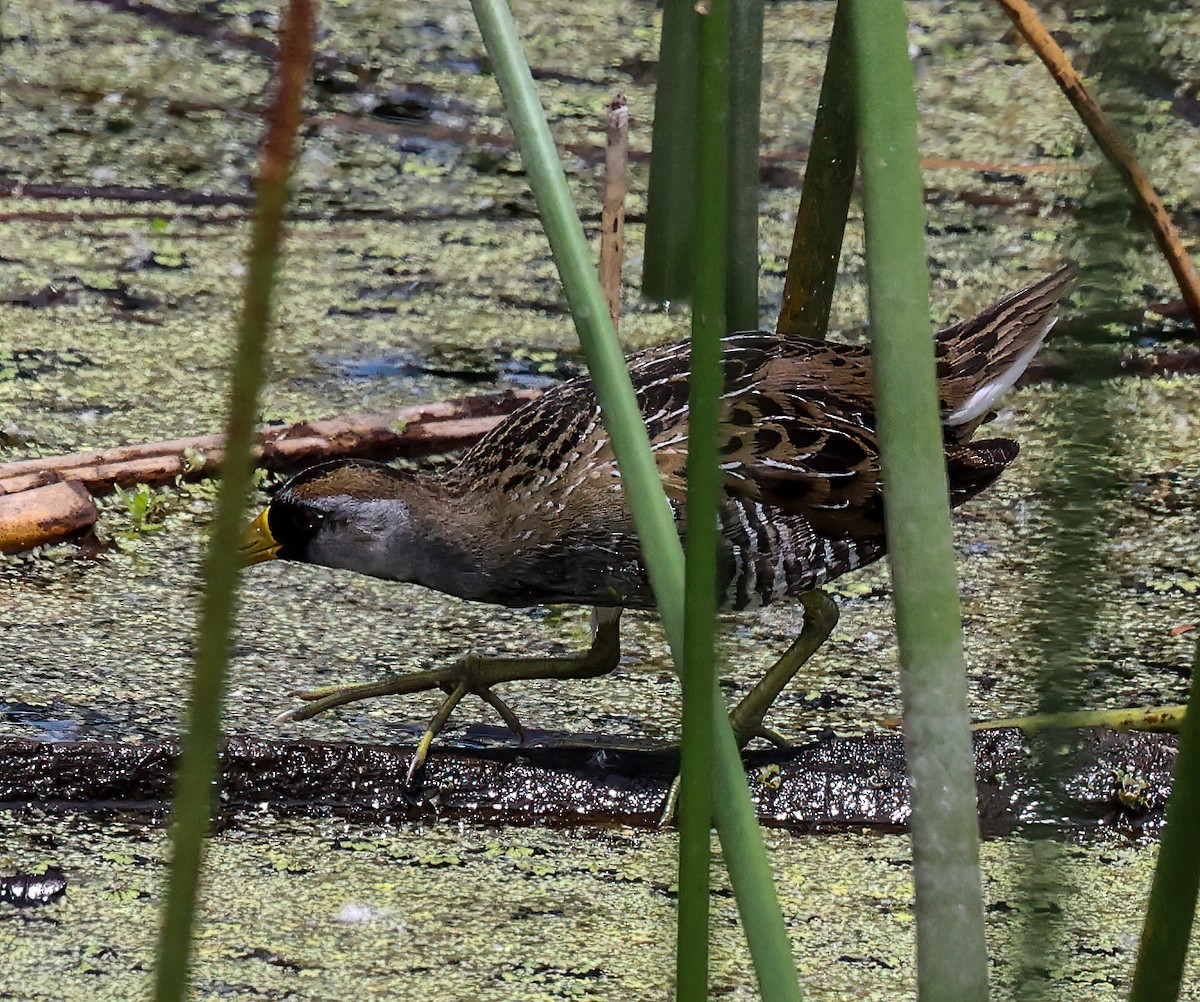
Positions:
{"x": 606, "y": 362}
{"x": 745, "y": 855}
{"x": 825, "y": 198}
{"x": 1171, "y": 911}
{"x": 700, "y": 584}
{"x": 951, "y": 953}
{"x": 671, "y": 201}
{"x": 198, "y": 760}
{"x": 745, "y": 98}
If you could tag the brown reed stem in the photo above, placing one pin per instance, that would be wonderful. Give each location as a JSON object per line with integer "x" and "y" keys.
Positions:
{"x": 1113, "y": 146}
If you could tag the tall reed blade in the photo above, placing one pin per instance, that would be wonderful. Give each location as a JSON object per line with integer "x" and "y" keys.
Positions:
{"x": 825, "y": 199}
{"x": 745, "y": 855}
{"x": 700, "y": 588}
{"x": 951, "y": 954}
{"x": 198, "y": 761}
{"x": 745, "y": 96}
{"x": 1171, "y": 911}
{"x": 671, "y": 202}
{"x": 606, "y": 362}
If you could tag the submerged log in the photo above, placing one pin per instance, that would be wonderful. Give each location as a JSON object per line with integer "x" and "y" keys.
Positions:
{"x": 1110, "y": 780}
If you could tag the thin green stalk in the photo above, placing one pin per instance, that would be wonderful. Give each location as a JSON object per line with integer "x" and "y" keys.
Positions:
{"x": 1171, "y": 911}
{"x": 700, "y": 586}
{"x": 951, "y": 953}
{"x": 745, "y": 98}
{"x": 671, "y": 202}
{"x": 1162, "y": 719}
{"x": 198, "y": 760}
{"x": 825, "y": 199}
{"x": 745, "y": 855}
{"x": 606, "y": 362}
{"x": 748, "y": 866}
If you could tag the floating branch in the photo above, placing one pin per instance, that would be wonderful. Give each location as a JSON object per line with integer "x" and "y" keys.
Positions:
{"x": 419, "y": 430}
{"x": 44, "y": 515}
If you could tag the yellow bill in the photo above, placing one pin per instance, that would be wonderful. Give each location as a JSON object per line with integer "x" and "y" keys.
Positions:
{"x": 258, "y": 544}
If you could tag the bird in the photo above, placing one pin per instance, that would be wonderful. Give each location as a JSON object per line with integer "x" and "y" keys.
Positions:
{"x": 534, "y": 513}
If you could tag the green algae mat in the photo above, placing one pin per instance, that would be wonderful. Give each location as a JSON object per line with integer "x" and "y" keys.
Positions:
{"x": 318, "y": 910}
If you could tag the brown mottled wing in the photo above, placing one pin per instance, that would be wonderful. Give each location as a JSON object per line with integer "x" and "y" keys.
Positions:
{"x": 662, "y": 389}
{"x": 802, "y": 439}
{"x": 537, "y": 439}
{"x": 556, "y": 448}
{"x": 798, "y": 433}
{"x": 554, "y": 453}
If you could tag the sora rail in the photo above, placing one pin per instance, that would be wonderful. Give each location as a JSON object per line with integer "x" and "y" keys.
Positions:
{"x": 534, "y": 512}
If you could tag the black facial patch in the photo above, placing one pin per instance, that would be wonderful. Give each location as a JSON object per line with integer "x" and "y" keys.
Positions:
{"x": 293, "y": 525}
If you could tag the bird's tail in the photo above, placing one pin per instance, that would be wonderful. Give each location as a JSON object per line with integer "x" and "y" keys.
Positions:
{"x": 980, "y": 359}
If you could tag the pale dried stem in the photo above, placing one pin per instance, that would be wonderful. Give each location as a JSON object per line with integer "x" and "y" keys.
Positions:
{"x": 612, "y": 219}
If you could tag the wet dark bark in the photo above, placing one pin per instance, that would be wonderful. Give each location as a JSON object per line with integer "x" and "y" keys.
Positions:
{"x": 1116, "y": 781}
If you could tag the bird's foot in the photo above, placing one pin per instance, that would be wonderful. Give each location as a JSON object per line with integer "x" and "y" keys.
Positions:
{"x": 744, "y": 731}
{"x": 471, "y": 674}
{"x": 820, "y": 617}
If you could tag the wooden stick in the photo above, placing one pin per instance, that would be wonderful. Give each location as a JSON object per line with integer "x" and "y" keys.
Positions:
{"x": 44, "y": 515}
{"x": 612, "y": 217}
{"x": 28, "y": 481}
{"x": 1112, "y": 146}
{"x": 406, "y": 431}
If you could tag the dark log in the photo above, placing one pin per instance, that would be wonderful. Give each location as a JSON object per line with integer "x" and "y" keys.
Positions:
{"x": 1113, "y": 780}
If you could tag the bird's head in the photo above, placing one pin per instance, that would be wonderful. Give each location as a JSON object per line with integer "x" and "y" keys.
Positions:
{"x": 346, "y": 513}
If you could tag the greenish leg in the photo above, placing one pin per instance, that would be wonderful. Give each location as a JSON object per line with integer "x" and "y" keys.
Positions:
{"x": 820, "y": 617}
{"x": 476, "y": 674}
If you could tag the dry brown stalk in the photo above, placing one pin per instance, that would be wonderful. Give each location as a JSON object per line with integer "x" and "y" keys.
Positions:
{"x": 612, "y": 216}
{"x": 1113, "y": 146}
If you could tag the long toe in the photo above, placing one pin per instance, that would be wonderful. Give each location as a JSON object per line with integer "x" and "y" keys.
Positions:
{"x": 417, "y": 762}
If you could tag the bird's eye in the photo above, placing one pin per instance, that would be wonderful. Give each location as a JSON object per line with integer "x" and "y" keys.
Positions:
{"x": 309, "y": 522}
